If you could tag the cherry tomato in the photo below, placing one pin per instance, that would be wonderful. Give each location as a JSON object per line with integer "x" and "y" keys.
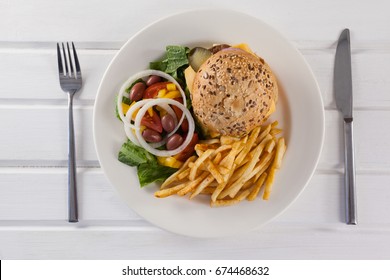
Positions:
{"x": 179, "y": 113}
{"x": 152, "y": 91}
{"x": 184, "y": 125}
{"x": 153, "y": 122}
{"x": 189, "y": 150}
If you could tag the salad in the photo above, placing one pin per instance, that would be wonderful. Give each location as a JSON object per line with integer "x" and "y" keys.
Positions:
{"x": 155, "y": 111}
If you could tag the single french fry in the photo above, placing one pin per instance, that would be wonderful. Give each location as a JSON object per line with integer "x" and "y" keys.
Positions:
{"x": 169, "y": 191}
{"x": 263, "y": 134}
{"x": 248, "y": 184}
{"x": 270, "y": 146}
{"x": 221, "y": 186}
{"x": 208, "y": 190}
{"x": 214, "y": 172}
{"x": 239, "y": 171}
{"x": 228, "y": 140}
{"x": 192, "y": 184}
{"x": 275, "y": 131}
{"x": 274, "y": 124}
{"x": 263, "y": 143}
{"x": 265, "y": 161}
{"x": 202, "y": 185}
{"x": 222, "y": 148}
{"x": 251, "y": 140}
{"x": 217, "y": 159}
{"x": 243, "y": 195}
{"x": 256, "y": 189}
{"x": 228, "y": 161}
{"x": 229, "y": 202}
{"x": 173, "y": 177}
{"x": 224, "y": 202}
{"x": 209, "y": 141}
{"x": 268, "y": 183}
{"x": 184, "y": 174}
{"x": 223, "y": 170}
{"x": 280, "y": 150}
{"x": 198, "y": 162}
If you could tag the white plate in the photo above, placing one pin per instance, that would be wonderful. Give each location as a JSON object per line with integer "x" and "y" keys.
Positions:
{"x": 299, "y": 111}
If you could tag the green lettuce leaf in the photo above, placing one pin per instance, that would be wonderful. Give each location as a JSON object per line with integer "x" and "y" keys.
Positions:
{"x": 134, "y": 155}
{"x": 149, "y": 173}
{"x": 173, "y": 62}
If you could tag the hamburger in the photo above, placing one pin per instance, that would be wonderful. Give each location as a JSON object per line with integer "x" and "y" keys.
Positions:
{"x": 232, "y": 92}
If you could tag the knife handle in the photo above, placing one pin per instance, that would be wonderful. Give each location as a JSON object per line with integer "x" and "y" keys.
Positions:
{"x": 349, "y": 175}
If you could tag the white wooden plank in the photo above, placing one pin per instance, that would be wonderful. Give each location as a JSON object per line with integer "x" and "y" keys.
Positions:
{"x": 369, "y": 71}
{"x": 30, "y": 76}
{"x": 41, "y": 195}
{"x": 33, "y": 74}
{"x": 315, "y": 241}
{"x": 117, "y": 20}
{"x": 39, "y": 134}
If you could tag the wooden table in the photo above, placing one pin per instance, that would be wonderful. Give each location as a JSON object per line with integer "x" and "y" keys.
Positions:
{"x": 33, "y": 141}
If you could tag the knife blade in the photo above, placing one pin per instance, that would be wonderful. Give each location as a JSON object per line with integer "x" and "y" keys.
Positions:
{"x": 342, "y": 86}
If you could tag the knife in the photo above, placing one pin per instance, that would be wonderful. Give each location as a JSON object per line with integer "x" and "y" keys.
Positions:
{"x": 342, "y": 83}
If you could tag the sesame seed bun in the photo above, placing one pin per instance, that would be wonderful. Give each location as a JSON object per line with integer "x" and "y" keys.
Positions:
{"x": 233, "y": 92}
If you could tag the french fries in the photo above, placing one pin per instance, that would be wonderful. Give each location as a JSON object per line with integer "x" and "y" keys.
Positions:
{"x": 230, "y": 169}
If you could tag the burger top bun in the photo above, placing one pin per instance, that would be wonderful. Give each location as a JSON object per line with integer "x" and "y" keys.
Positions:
{"x": 233, "y": 92}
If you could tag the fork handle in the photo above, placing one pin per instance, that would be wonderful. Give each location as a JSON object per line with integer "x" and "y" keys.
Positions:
{"x": 72, "y": 192}
{"x": 349, "y": 176}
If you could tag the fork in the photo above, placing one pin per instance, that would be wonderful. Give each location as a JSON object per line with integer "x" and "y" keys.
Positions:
{"x": 71, "y": 82}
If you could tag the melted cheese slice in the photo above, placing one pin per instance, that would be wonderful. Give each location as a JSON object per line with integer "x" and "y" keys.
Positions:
{"x": 272, "y": 109}
{"x": 189, "y": 75}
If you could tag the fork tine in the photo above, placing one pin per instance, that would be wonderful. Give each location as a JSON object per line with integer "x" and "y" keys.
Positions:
{"x": 76, "y": 60}
{"x": 71, "y": 73}
{"x": 60, "y": 68}
{"x": 65, "y": 60}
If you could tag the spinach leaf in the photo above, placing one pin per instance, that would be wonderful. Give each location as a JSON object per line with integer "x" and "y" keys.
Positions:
{"x": 173, "y": 63}
{"x": 176, "y": 58}
{"x": 148, "y": 169}
{"x": 134, "y": 155}
{"x": 158, "y": 65}
{"x": 149, "y": 173}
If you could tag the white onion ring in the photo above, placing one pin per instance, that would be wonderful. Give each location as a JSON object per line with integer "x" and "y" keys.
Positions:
{"x": 141, "y": 75}
{"x": 129, "y": 127}
{"x": 130, "y": 112}
{"x": 147, "y": 146}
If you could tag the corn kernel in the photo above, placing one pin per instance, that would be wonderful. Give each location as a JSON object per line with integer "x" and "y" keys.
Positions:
{"x": 171, "y": 87}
